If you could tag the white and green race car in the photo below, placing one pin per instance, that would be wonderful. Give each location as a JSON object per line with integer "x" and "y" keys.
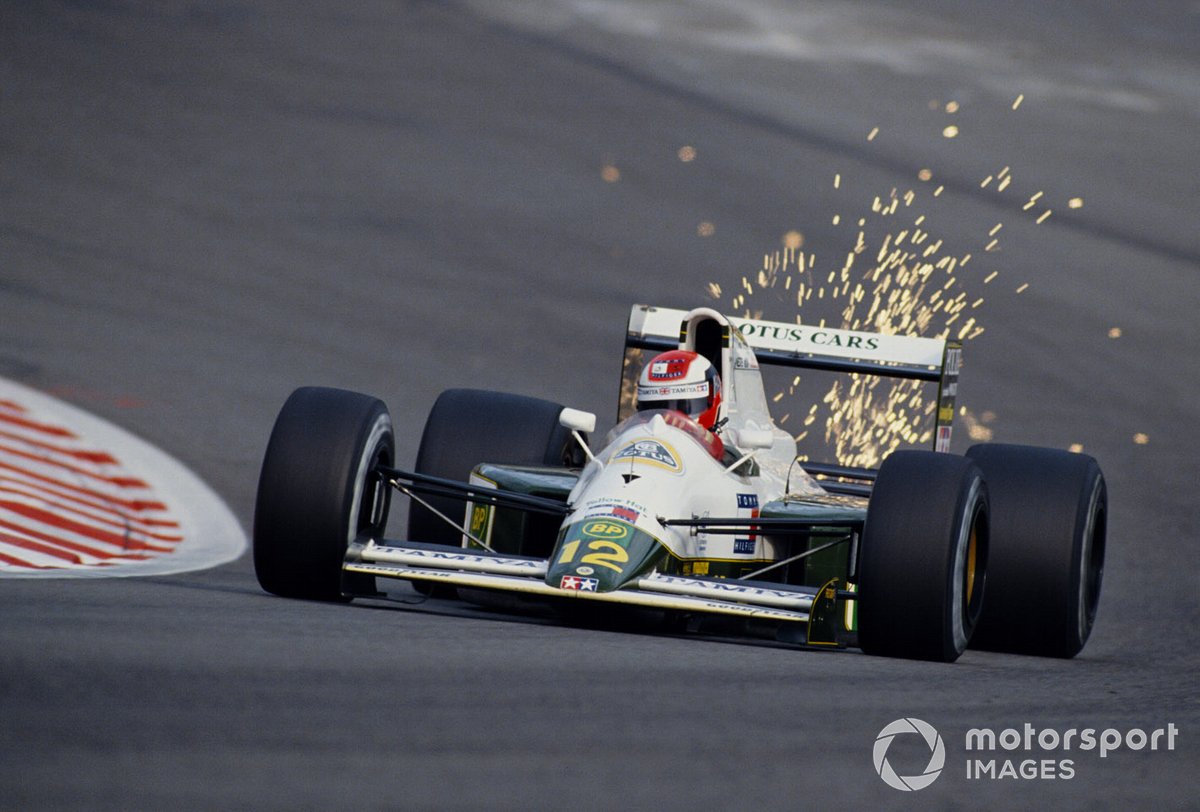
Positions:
{"x": 1002, "y": 548}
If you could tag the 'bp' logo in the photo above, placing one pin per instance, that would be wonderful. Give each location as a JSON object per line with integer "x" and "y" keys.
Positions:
{"x": 937, "y": 754}
{"x": 601, "y": 529}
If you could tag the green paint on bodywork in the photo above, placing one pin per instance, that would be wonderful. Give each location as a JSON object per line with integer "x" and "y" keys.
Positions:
{"x": 516, "y": 532}
{"x": 711, "y": 567}
{"x": 821, "y": 567}
{"x": 817, "y": 508}
{"x": 825, "y": 616}
{"x": 636, "y": 553}
{"x": 608, "y": 551}
{"x": 539, "y": 480}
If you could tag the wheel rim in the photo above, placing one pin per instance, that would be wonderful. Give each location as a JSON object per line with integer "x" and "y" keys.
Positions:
{"x": 969, "y": 564}
{"x": 976, "y": 568}
{"x": 1091, "y": 563}
{"x": 972, "y": 554}
{"x": 371, "y": 494}
{"x": 373, "y": 510}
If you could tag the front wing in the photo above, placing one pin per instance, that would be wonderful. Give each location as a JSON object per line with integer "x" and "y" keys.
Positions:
{"x": 809, "y": 608}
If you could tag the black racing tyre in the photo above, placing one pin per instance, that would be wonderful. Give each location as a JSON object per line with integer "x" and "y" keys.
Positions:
{"x": 1049, "y": 528}
{"x": 470, "y": 426}
{"x": 318, "y": 492}
{"x": 923, "y": 557}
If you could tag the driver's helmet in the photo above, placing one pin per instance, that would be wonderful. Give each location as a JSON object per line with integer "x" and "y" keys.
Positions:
{"x": 684, "y": 381}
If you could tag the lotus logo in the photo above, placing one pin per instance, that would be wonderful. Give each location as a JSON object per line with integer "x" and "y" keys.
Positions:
{"x": 937, "y": 755}
{"x": 651, "y": 451}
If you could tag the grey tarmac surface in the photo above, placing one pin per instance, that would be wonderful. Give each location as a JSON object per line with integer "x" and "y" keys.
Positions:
{"x": 203, "y": 206}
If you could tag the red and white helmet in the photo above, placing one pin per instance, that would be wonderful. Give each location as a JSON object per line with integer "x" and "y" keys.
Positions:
{"x": 684, "y": 381}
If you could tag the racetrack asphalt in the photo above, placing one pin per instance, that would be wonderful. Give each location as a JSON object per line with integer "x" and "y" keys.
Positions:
{"x": 206, "y": 205}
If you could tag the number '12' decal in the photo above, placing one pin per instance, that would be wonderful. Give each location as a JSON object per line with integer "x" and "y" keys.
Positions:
{"x": 606, "y": 553}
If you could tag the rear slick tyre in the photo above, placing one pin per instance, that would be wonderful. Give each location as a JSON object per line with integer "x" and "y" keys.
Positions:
{"x": 1049, "y": 529}
{"x": 319, "y": 491}
{"x": 923, "y": 557}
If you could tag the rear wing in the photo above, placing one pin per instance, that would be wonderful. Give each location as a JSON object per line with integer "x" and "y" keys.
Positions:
{"x": 775, "y": 343}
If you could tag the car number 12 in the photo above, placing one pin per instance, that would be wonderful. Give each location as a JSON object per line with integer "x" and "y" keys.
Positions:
{"x": 605, "y": 553}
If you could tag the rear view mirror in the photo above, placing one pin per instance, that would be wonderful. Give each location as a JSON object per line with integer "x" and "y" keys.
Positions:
{"x": 577, "y": 420}
{"x": 755, "y": 439}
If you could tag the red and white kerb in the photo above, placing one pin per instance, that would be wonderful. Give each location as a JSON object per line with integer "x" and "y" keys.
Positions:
{"x": 80, "y": 497}
{"x": 66, "y": 503}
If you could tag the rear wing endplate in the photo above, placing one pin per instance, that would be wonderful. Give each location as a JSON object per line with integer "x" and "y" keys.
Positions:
{"x": 822, "y": 348}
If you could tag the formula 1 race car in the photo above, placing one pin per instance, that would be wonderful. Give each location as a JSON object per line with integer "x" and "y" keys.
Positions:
{"x": 1002, "y": 548}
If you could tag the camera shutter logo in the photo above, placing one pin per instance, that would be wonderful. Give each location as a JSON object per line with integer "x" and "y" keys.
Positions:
{"x": 937, "y": 755}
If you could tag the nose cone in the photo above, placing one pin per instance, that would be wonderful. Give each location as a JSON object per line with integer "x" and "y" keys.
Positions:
{"x": 601, "y": 555}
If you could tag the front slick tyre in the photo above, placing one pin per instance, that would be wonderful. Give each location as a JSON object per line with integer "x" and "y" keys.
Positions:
{"x": 318, "y": 491}
{"x": 922, "y": 557}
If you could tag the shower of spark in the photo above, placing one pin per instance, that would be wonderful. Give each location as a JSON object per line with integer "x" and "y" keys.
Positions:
{"x": 905, "y": 282}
